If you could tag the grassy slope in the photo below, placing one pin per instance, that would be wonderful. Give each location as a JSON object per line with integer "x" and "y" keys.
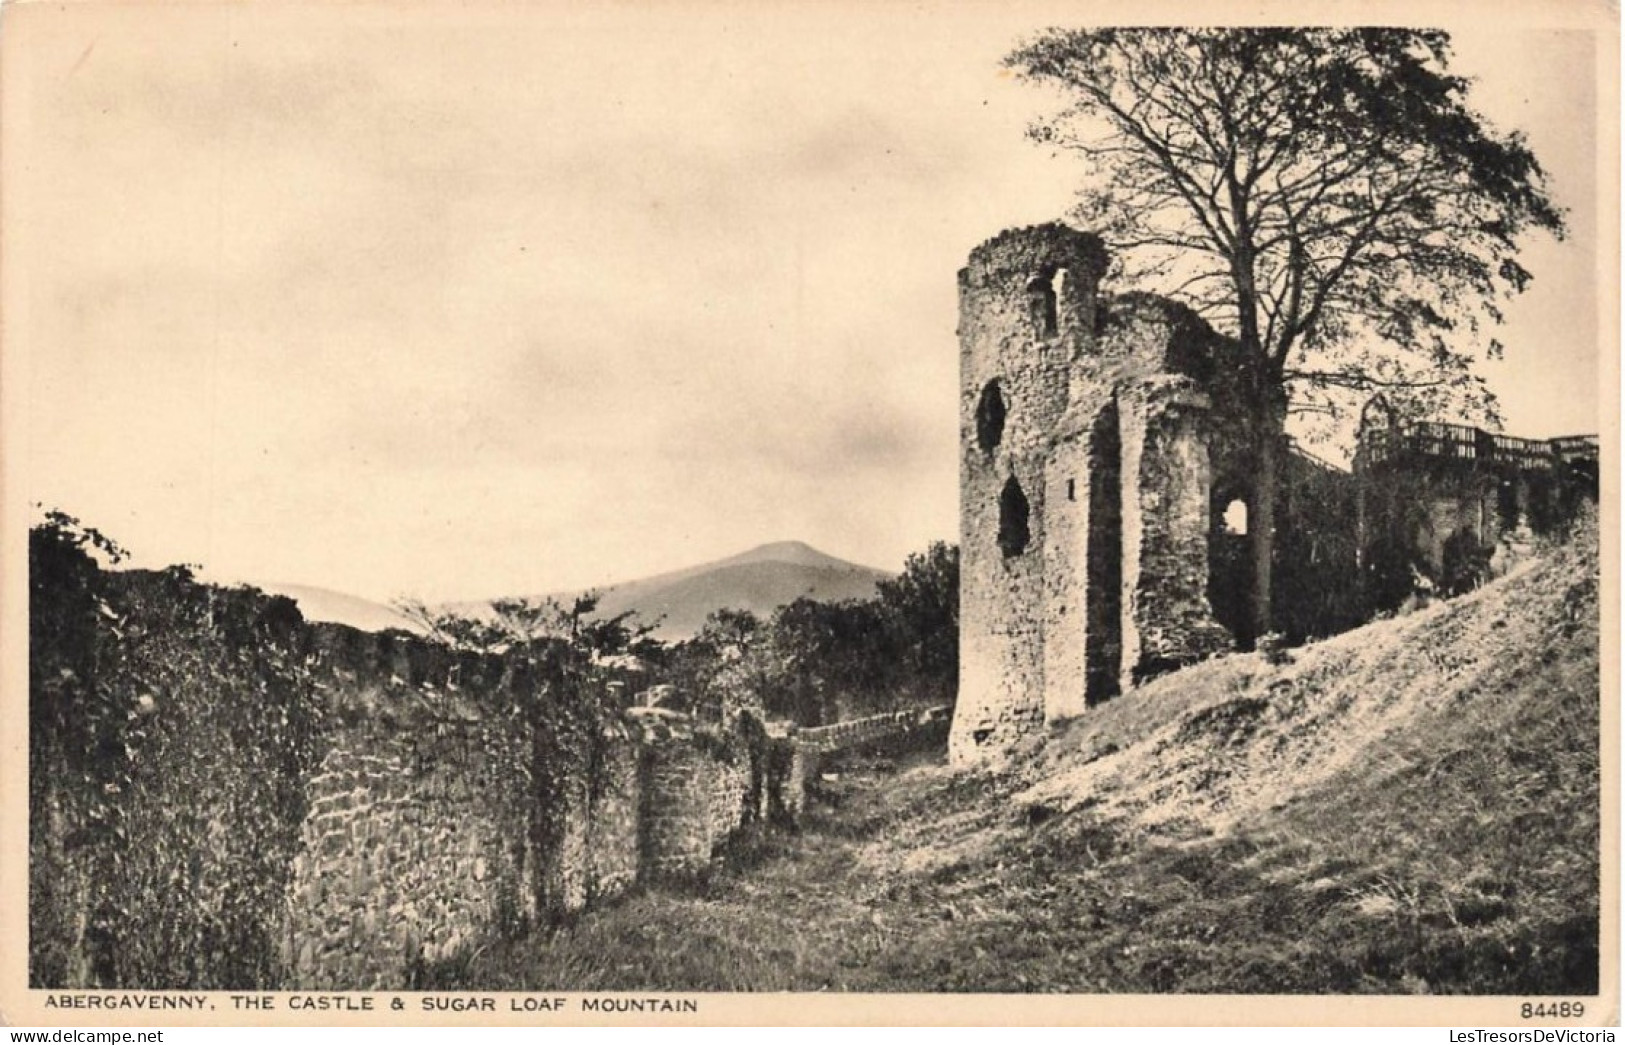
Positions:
{"x": 1411, "y": 807}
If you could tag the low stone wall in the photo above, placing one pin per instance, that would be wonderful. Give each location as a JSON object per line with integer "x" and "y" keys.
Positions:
{"x": 414, "y": 848}
{"x": 694, "y": 799}
{"x": 223, "y": 796}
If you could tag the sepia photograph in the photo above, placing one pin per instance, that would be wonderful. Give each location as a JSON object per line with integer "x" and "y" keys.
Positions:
{"x": 525, "y": 513}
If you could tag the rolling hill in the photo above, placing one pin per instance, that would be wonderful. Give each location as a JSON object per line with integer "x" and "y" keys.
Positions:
{"x": 677, "y": 603}
{"x": 325, "y": 604}
{"x": 759, "y": 580}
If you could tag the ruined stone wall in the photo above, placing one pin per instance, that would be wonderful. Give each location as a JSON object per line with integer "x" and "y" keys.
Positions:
{"x": 562, "y": 837}
{"x": 1104, "y": 567}
{"x": 420, "y": 845}
{"x": 730, "y": 786}
{"x": 1408, "y": 516}
{"x": 1451, "y": 504}
{"x": 789, "y": 768}
{"x": 1421, "y": 508}
{"x": 615, "y": 808}
{"x": 1177, "y": 391}
{"x": 262, "y": 803}
{"x": 1027, "y": 312}
{"x": 693, "y": 800}
{"x": 1316, "y": 590}
{"x": 1088, "y": 591}
{"x": 415, "y": 849}
{"x": 1167, "y": 517}
{"x": 1103, "y": 439}
{"x": 419, "y": 840}
{"x": 1068, "y": 590}
{"x": 170, "y": 730}
{"x": 294, "y": 803}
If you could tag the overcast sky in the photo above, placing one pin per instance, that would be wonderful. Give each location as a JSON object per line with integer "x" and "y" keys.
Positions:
{"x": 518, "y": 299}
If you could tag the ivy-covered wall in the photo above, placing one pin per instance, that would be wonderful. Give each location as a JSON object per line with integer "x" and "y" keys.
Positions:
{"x": 223, "y": 796}
{"x": 171, "y": 733}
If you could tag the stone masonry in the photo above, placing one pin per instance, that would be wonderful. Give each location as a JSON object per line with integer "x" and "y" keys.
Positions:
{"x": 1085, "y": 478}
{"x": 390, "y": 813}
{"x": 408, "y": 860}
{"x": 1106, "y": 468}
{"x": 417, "y": 847}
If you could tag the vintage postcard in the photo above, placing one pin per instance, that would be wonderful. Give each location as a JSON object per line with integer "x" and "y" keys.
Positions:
{"x": 712, "y": 513}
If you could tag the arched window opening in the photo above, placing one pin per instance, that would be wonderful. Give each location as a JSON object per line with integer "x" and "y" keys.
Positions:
{"x": 1235, "y": 518}
{"x": 1043, "y": 292}
{"x": 1014, "y": 518}
{"x": 990, "y": 414}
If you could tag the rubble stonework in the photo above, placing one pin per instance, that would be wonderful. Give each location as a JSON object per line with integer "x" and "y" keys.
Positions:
{"x": 1166, "y": 477}
{"x": 329, "y": 809}
{"x": 1104, "y": 441}
{"x": 1084, "y": 486}
{"x": 412, "y": 851}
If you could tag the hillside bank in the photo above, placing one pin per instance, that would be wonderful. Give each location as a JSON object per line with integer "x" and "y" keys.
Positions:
{"x": 1411, "y": 807}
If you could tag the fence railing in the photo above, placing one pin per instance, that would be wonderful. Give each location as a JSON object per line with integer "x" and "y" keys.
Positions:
{"x": 839, "y": 735}
{"x": 1440, "y": 440}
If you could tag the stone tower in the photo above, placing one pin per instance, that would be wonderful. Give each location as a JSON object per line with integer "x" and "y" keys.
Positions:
{"x": 1084, "y": 487}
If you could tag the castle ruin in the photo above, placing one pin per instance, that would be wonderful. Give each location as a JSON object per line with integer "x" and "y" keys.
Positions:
{"x": 1105, "y": 476}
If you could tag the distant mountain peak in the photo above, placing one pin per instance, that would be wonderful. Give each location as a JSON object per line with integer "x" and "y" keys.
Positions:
{"x": 677, "y": 603}
{"x": 797, "y": 553}
{"x": 759, "y": 580}
{"x": 784, "y": 548}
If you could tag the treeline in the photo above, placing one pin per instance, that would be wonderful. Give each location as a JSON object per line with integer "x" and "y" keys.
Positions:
{"x": 819, "y": 662}
{"x": 809, "y": 662}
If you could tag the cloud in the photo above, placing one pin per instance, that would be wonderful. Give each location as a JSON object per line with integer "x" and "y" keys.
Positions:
{"x": 508, "y": 298}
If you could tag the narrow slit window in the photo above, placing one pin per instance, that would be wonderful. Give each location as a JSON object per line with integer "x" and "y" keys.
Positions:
{"x": 990, "y": 415}
{"x": 1041, "y": 292}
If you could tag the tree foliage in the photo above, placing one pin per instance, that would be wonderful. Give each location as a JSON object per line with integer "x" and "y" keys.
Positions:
{"x": 818, "y": 662}
{"x": 598, "y": 660}
{"x": 1328, "y": 196}
{"x": 921, "y": 610}
{"x": 729, "y": 666}
{"x": 518, "y": 623}
{"x": 161, "y": 713}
